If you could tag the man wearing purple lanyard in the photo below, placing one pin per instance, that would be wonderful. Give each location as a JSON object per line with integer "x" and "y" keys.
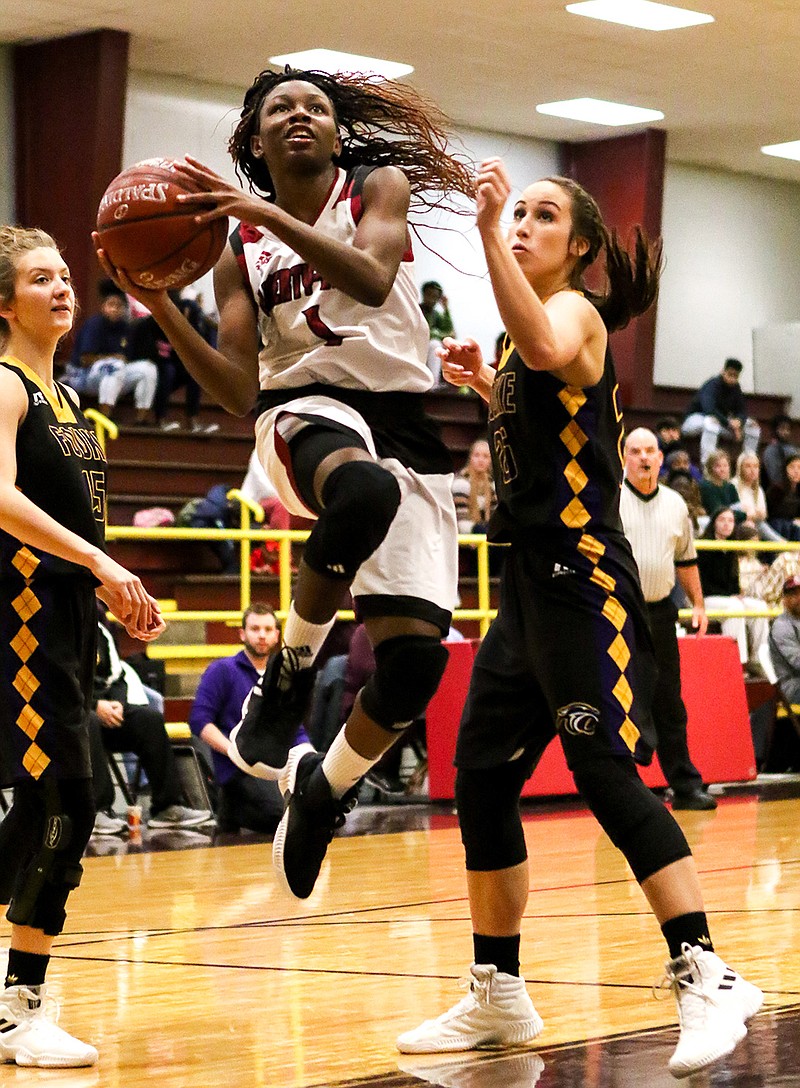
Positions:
{"x": 243, "y": 801}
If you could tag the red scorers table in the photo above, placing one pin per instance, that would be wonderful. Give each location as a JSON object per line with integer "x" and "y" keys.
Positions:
{"x": 720, "y": 740}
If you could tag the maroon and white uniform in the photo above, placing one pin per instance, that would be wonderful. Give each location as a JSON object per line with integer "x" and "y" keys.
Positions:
{"x": 329, "y": 359}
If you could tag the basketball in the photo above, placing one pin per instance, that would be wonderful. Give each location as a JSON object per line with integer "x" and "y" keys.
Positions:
{"x": 149, "y": 235}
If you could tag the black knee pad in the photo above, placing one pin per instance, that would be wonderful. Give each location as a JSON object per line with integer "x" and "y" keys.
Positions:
{"x": 630, "y": 814}
{"x": 64, "y": 818}
{"x": 360, "y": 500}
{"x": 408, "y": 669}
{"x": 488, "y": 815}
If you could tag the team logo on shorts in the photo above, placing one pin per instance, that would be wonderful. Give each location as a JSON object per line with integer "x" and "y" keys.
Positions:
{"x": 578, "y": 719}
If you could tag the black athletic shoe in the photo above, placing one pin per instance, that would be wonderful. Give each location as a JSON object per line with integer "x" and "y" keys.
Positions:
{"x": 699, "y": 800}
{"x": 275, "y": 708}
{"x": 310, "y": 818}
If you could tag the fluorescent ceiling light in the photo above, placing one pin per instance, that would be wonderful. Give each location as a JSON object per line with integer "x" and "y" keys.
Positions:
{"x": 640, "y": 13}
{"x": 597, "y": 112}
{"x": 784, "y": 151}
{"x": 328, "y": 60}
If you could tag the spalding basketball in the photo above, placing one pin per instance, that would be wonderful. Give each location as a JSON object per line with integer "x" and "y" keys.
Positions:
{"x": 149, "y": 235}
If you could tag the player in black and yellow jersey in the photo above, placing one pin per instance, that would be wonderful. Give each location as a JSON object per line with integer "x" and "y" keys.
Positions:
{"x": 569, "y": 654}
{"x": 52, "y": 567}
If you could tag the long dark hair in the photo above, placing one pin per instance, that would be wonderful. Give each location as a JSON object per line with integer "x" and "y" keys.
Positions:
{"x": 632, "y": 280}
{"x": 382, "y": 123}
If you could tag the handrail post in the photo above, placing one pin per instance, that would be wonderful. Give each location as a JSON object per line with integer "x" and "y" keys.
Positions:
{"x": 483, "y": 585}
{"x": 103, "y": 426}
{"x": 246, "y": 508}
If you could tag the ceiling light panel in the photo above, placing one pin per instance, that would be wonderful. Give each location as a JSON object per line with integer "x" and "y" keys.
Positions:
{"x": 597, "y": 112}
{"x": 328, "y": 60}
{"x": 642, "y": 14}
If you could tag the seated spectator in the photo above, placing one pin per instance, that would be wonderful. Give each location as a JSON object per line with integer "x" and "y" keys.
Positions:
{"x": 768, "y": 584}
{"x": 679, "y": 459}
{"x": 784, "y": 641}
{"x": 147, "y": 341}
{"x": 668, "y": 435}
{"x": 777, "y": 451}
{"x": 99, "y": 363}
{"x": 718, "y": 409}
{"x": 435, "y": 310}
{"x": 687, "y": 487}
{"x": 719, "y": 576}
{"x": 257, "y": 487}
{"x": 384, "y": 776}
{"x": 783, "y": 501}
{"x": 716, "y": 488}
{"x": 475, "y": 498}
{"x": 243, "y": 801}
{"x": 752, "y": 498}
{"x": 128, "y": 723}
{"x": 784, "y": 647}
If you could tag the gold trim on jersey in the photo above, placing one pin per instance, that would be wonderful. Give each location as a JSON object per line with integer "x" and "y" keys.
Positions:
{"x": 24, "y": 643}
{"x": 63, "y": 410}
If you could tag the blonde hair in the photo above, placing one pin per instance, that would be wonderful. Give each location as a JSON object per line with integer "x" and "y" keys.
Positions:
{"x": 481, "y": 489}
{"x": 14, "y": 241}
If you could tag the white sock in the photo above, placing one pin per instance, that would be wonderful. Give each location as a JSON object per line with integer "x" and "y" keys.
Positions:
{"x": 305, "y": 638}
{"x": 343, "y": 766}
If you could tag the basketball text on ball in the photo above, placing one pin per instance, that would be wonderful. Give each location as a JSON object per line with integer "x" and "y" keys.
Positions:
{"x": 150, "y": 235}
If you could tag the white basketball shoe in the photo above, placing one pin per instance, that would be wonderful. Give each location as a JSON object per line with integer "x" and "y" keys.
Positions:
{"x": 29, "y": 1036}
{"x": 497, "y": 1011}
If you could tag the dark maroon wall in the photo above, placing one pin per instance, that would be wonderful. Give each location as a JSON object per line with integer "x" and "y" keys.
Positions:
{"x": 626, "y": 177}
{"x": 69, "y": 109}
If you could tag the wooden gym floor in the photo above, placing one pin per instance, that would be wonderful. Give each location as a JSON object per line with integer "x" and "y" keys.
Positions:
{"x": 189, "y": 968}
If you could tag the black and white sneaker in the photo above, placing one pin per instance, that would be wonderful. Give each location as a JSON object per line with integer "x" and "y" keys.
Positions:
{"x": 310, "y": 818}
{"x": 714, "y": 1005}
{"x": 274, "y": 710}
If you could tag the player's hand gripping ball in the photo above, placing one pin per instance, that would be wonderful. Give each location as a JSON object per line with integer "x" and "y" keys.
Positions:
{"x": 149, "y": 235}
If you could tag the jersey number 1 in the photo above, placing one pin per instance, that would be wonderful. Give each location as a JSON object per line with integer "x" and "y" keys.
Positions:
{"x": 320, "y": 329}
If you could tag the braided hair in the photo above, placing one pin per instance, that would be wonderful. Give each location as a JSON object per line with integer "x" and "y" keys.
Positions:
{"x": 381, "y": 122}
{"x": 632, "y": 280}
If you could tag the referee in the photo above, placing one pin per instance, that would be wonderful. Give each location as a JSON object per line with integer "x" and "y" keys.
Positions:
{"x": 656, "y": 522}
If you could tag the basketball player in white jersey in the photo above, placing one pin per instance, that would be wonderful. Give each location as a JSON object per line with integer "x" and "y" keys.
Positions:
{"x": 319, "y": 323}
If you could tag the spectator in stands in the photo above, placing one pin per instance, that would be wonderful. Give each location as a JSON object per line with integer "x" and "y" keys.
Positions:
{"x": 767, "y": 585}
{"x": 784, "y": 646}
{"x": 716, "y": 488}
{"x": 678, "y": 458}
{"x": 783, "y": 501}
{"x": 129, "y": 724}
{"x": 784, "y": 641}
{"x": 718, "y": 409}
{"x": 435, "y": 311}
{"x": 719, "y": 575}
{"x": 752, "y": 498}
{"x": 475, "y": 498}
{"x": 243, "y": 801}
{"x": 258, "y": 488}
{"x": 777, "y": 451}
{"x": 668, "y": 435}
{"x": 687, "y": 487}
{"x": 147, "y": 341}
{"x": 384, "y": 776}
{"x": 99, "y": 363}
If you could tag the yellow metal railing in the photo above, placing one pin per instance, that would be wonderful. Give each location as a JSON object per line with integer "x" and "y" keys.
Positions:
{"x": 246, "y": 535}
{"x": 104, "y": 427}
{"x": 483, "y": 614}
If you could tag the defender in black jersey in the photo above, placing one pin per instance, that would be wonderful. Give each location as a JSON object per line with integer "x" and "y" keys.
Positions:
{"x": 53, "y": 566}
{"x": 319, "y": 319}
{"x": 569, "y": 654}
